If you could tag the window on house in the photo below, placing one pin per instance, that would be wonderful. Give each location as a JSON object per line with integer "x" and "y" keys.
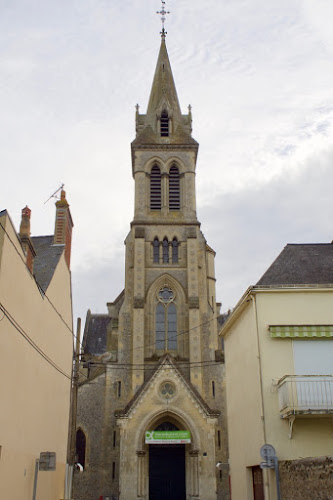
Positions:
{"x": 113, "y": 470}
{"x": 119, "y": 388}
{"x": 166, "y": 321}
{"x": 174, "y": 189}
{"x": 213, "y": 388}
{"x": 156, "y": 251}
{"x": 80, "y": 447}
{"x": 114, "y": 438}
{"x": 155, "y": 188}
{"x": 175, "y": 251}
{"x": 165, "y": 246}
{"x": 164, "y": 124}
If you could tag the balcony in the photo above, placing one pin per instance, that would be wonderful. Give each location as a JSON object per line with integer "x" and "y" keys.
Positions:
{"x": 305, "y": 395}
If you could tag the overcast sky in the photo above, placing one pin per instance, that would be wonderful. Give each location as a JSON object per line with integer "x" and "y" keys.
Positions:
{"x": 259, "y": 77}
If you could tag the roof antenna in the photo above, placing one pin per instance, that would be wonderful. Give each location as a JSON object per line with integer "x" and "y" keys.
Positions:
{"x": 54, "y": 194}
{"x": 163, "y": 13}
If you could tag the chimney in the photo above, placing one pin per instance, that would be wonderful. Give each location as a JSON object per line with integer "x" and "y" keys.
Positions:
{"x": 63, "y": 226}
{"x": 25, "y": 238}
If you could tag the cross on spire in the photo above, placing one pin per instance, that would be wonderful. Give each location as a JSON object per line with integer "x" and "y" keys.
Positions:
{"x": 163, "y": 13}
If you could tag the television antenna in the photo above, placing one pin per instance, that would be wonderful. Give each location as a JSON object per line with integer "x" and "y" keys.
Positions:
{"x": 54, "y": 194}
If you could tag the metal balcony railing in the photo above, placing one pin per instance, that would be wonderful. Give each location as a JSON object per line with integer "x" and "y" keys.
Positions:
{"x": 305, "y": 394}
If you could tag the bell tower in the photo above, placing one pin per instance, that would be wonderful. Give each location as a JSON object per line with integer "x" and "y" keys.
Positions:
{"x": 164, "y": 154}
{"x": 170, "y": 278}
{"x": 161, "y": 368}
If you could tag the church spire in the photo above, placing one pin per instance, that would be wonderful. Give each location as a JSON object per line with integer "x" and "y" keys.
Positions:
{"x": 163, "y": 122}
{"x": 163, "y": 94}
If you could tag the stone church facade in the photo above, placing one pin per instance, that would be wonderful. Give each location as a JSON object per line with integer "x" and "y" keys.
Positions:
{"x": 153, "y": 362}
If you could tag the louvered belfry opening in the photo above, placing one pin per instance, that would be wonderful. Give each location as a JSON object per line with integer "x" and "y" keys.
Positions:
{"x": 174, "y": 189}
{"x": 155, "y": 188}
{"x": 164, "y": 124}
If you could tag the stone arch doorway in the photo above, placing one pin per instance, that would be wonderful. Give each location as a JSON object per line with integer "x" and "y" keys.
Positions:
{"x": 167, "y": 478}
{"x": 191, "y": 452}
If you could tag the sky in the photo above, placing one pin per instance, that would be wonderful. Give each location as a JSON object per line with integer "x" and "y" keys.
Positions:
{"x": 259, "y": 77}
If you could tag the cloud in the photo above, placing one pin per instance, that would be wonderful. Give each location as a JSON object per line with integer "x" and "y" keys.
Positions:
{"x": 261, "y": 88}
{"x": 250, "y": 227}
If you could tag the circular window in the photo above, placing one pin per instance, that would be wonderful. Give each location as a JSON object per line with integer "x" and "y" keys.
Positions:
{"x": 167, "y": 390}
{"x": 165, "y": 294}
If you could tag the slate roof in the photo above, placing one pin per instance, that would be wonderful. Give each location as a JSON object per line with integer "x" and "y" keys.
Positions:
{"x": 46, "y": 260}
{"x": 301, "y": 264}
{"x": 95, "y": 333}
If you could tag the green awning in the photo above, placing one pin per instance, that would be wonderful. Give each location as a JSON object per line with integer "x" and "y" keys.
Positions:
{"x": 301, "y": 331}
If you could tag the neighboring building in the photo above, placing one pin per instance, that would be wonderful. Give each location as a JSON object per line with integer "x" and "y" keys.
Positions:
{"x": 279, "y": 378}
{"x": 155, "y": 359}
{"x": 36, "y": 346}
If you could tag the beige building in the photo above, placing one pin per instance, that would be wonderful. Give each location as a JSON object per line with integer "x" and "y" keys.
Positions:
{"x": 155, "y": 363}
{"x": 279, "y": 378}
{"x": 36, "y": 346}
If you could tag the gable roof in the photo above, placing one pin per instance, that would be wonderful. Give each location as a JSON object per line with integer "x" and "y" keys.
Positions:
{"x": 301, "y": 264}
{"x": 166, "y": 359}
{"x": 46, "y": 259}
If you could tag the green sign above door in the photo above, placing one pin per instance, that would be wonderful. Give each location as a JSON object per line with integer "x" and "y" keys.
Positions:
{"x": 168, "y": 437}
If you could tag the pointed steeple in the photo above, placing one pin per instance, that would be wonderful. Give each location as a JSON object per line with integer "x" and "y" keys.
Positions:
{"x": 164, "y": 122}
{"x": 163, "y": 94}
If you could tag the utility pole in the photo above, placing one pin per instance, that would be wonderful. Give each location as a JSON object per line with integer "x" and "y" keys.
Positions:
{"x": 71, "y": 450}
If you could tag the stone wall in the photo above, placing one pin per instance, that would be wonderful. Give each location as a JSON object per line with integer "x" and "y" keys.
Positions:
{"x": 90, "y": 418}
{"x": 307, "y": 478}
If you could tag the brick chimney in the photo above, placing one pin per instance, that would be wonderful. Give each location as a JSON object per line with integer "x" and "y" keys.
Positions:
{"x": 63, "y": 226}
{"x": 25, "y": 238}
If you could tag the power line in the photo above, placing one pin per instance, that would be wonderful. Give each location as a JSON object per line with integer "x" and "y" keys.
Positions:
{"x": 125, "y": 351}
{"x": 39, "y": 286}
{"x": 31, "y": 342}
{"x": 145, "y": 368}
{"x": 172, "y": 337}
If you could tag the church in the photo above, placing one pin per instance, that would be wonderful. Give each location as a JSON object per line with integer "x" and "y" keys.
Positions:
{"x": 151, "y": 420}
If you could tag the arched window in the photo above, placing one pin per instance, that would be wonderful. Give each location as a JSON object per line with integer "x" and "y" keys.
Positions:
{"x": 175, "y": 251}
{"x": 166, "y": 426}
{"x": 172, "y": 327}
{"x": 174, "y": 189}
{"x": 160, "y": 327}
{"x": 164, "y": 124}
{"x": 166, "y": 321}
{"x": 155, "y": 188}
{"x": 80, "y": 447}
{"x": 156, "y": 251}
{"x": 165, "y": 245}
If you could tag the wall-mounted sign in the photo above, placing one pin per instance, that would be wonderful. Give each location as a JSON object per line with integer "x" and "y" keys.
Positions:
{"x": 47, "y": 460}
{"x": 168, "y": 437}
